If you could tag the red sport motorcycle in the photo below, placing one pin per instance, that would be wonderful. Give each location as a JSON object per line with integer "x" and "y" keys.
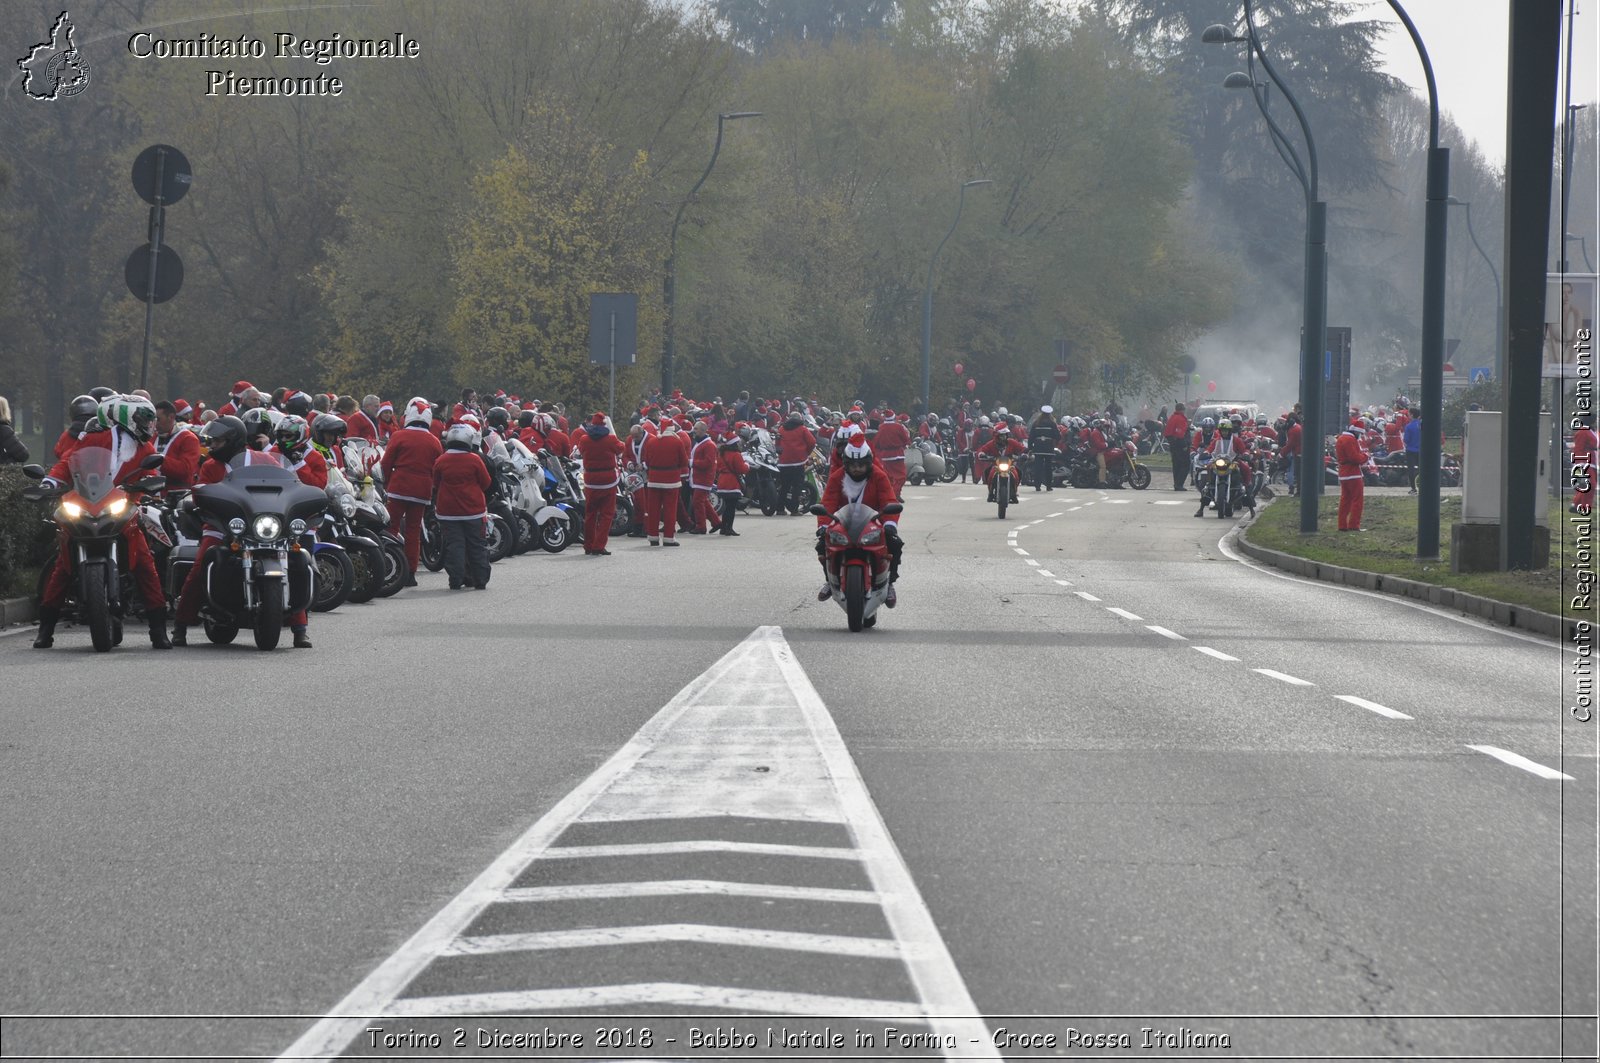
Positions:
{"x": 857, "y": 559}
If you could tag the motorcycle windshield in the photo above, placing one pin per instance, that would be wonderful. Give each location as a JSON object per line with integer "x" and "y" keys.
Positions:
{"x": 94, "y": 472}
{"x": 854, "y": 518}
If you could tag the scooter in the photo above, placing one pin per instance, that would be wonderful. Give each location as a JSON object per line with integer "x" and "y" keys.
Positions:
{"x": 857, "y": 560}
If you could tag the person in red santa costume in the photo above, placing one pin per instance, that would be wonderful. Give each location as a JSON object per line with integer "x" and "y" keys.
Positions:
{"x": 125, "y": 427}
{"x": 601, "y": 453}
{"x": 890, "y": 447}
{"x": 179, "y": 448}
{"x": 293, "y": 438}
{"x": 407, "y": 469}
{"x": 984, "y": 459}
{"x": 731, "y": 466}
{"x": 703, "y": 479}
{"x": 860, "y": 479}
{"x": 1351, "y": 456}
{"x": 665, "y": 456}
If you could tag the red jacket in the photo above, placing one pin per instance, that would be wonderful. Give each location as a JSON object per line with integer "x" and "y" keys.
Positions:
{"x": 601, "y": 455}
{"x": 180, "y": 459}
{"x": 703, "y": 464}
{"x": 730, "y": 466}
{"x": 361, "y": 425}
{"x": 879, "y": 492}
{"x": 312, "y": 468}
{"x": 408, "y": 462}
{"x": 795, "y": 445}
{"x": 665, "y": 458}
{"x": 106, "y": 439}
{"x": 558, "y": 443}
{"x": 1291, "y": 441}
{"x": 891, "y": 441}
{"x": 1350, "y": 455}
{"x": 1177, "y": 426}
{"x": 213, "y": 470}
{"x": 460, "y": 480}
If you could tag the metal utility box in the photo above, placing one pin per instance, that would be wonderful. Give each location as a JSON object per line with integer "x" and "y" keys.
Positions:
{"x": 1480, "y": 470}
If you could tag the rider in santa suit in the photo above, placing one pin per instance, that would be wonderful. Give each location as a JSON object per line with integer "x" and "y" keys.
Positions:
{"x": 293, "y": 437}
{"x": 890, "y": 446}
{"x": 983, "y": 460}
{"x": 860, "y": 479}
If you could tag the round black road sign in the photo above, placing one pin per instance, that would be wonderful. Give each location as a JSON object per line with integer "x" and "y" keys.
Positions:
{"x": 1186, "y": 364}
{"x": 169, "y": 273}
{"x": 176, "y": 176}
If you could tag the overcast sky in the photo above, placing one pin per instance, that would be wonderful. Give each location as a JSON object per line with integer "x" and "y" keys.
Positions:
{"x": 1466, "y": 40}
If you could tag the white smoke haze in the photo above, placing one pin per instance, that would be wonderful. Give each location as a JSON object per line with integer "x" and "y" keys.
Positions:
{"x": 1254, "y": 359}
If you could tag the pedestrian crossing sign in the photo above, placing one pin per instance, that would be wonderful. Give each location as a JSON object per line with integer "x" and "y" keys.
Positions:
{"x": 1478, "y": 374}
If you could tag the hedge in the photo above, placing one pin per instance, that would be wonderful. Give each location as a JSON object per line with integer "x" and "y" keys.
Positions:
{"x": 24, "y": 535}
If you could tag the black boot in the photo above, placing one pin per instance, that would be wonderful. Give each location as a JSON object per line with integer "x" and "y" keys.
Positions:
{"x": 302, "y": 641}
{"x": 158, "y": 630}
{"x": 47, "y": 627}
{"x": 180, "y": 635}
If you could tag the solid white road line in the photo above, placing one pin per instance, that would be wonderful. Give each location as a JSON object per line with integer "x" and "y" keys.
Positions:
{"x": 575, "y": 852}
{"x": 1284, "y": 678}
{"x": 1118, "y": 501}
{"x": 1218, "y": 654}
{"x": 1516, "y": 761}
{"x": 1123, "y": 613}
{"x": 1165, "y": 632}
{"x": 606, "y": 937}
{"x": 1373, "y": 706}
{"x": 755, "y": 696}
{"x": 685, "y": 887}
{"x": 1086, "y": 596}
{"x": 674, "y": 994}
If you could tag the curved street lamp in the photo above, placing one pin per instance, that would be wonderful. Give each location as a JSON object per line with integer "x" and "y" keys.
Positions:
{"x": 927, "y": 296}
{"x": 670, "y": 284}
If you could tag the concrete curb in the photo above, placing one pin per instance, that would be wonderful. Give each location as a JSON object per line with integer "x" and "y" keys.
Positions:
{"x": 17, "y": 611}
{"x": 1496, "y": 612}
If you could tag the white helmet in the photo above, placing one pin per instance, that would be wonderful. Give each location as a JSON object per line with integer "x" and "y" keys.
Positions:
{"x": 464, "y": 434}
{"x": 1001, "y": 411}
{"x": 856, "y": 449}
{"x": 983, "y": 421}
{"x": 418, "y": 411}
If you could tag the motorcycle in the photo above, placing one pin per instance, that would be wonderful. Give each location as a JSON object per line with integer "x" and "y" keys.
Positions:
{"x": 1221, "y": 486}
{"x": 925, "y": 465}
{"x": 364, "y": 553}
{"x": 93, "y": 510}
{"x": 537, "y": 521}
{"x": 1003, "y": 482}
{"x": 261, "y": 573}
{"x": 857, "y": 560}
{"x": 761, "y": 484}
{"x": 1122, "y": 467}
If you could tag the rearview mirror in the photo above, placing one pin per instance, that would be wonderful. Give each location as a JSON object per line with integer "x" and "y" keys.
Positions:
{"x": 33, "y": 472}
{"x": 818, "y": 510}
{"x": 893, "y": 509}
{"x": 152, "y": 462}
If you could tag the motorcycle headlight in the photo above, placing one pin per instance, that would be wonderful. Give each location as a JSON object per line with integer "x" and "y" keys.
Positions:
{"x": 868, "y": 538}
{"x": 1004, "y": 466}
{"x": 72, "y": 510}
{"x": 838, "y": 538}
{"x": 267, "y": 527}
{"x": 347, "y": 505}
{"x": 381, "y": 511}
{"x": 1219, "y": 464}
{"x": 236, "y": 525}
{"x": 118, "y": 507}
{"x": 297, "y": 526}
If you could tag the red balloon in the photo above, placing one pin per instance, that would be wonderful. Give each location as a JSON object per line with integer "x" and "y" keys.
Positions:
{"x": 1211, "y": 385}
{"x": 972, "y": 385}
{"x": 959, "y": 368}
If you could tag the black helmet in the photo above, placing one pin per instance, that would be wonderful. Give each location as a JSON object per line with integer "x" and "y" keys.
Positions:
{"x": 497, "y": 418}
{"x": 525, "y": 419}
{"x": 102, "y": 394}
{"x": 298, "y": 405}
{"x": 83, "y": 407}
{"x": 328, "y": 429}
{"x": 259, "y": 421}
{"x": 224, "y": 438}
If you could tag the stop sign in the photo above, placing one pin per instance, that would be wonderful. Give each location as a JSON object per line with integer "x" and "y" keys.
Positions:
{"x": 1061, "y": 375}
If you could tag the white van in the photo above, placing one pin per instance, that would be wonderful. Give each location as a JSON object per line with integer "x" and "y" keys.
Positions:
{"x": 1220, "y": 408}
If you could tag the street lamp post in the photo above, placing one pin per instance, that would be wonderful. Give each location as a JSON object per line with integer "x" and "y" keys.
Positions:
{"x": 1314, "y": 309}
{"x": 927, "y": 298}
{"x": 1499, "y": 298}
{"x": 669, "y": 286}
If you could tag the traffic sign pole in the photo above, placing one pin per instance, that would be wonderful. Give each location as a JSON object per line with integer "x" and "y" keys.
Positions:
{"x": 158, "y": 217}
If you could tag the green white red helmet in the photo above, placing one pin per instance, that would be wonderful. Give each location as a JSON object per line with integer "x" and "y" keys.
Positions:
{"x": 129, "y": 412}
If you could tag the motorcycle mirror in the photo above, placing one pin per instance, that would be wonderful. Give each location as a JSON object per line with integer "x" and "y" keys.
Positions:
{"x": 152, "y": 462}
{"x": 892, "y": 509}
{"x": 818, "y": 510}
{"x": 33, "y": 472}
{"x": 151, "y": 484}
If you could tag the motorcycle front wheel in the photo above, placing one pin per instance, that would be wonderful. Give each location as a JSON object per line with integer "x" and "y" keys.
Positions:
{"x": 950, "y": 472}
{"x": 1002, "y": 496}
{"x": 498, "y": 535}
{"x": 527, "y": 531}
{"x": 432, "y": 554}
{"x": 855, "y": 596}
{"x": 334, "y": 577}
{"x": 1139, "y": 477}
{"x": 622, "y": 519}
{"x": 97, "y": 614}
{"x": 269, "y": 614}
{"x": 395, "y": 570}
{"x": 220, "y": 634}
{"x": 368, "y": 567}
{"x": 555, "y": 535}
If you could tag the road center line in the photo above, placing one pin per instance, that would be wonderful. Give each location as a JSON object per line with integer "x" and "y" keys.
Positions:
{"x": 1047, "y": 574}
{"x": 1055, "y": 514}
{"x": 1284, "y": 678}
{"x": 1123, "y": 613}
{"x": 1166, "y": 632}
{"x": 1031, "y": 561}
{"x": 1086, "y": 596}
{"x": 1218, "y": 654}
{"x": 1373, "y": 706}
{"x": 1517, "y": 761}
{"x": 1020, "y": 550}
{"x": 1064, "y": 582}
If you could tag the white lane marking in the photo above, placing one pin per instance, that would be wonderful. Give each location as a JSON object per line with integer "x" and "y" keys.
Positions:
{"x": 918, "y": 498}
{"x": 673, "y": 767}
{"x": 1123, "y": 613}
{"x": 1373, "y": 706}
{"x": 675, "y": 994}
{"x": 1218, "y": 654}
{"x": 1086, "y": 596}
{"x": 577, "y": 852}
{"x": 1088, "y": 503}
{"x": 1040, "y": 521}
{"x": 1047, "y": 574}
{"x": 1064, "y": 582}
{"x": 1074, "y": 509}
{"x": 1168, "y": 502}
{"x": 682, "y": 888}
{"x": 1055, "y": 514}
{"x": 1166, "y": 632}
{"x": 1226, "y": 546}
{"x": 1118, "y": 501}
{"x": 1020, "y": 550}
{"x": 966, "y": 498}
{"x": 1284, "y": 678}
{"x": 1517, "y": 761}
{"x": 605, "y": 937}
{"x": 1031, "y": 561}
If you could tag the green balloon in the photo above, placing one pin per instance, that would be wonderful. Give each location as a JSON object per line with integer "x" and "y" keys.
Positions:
{"x": 1197, "y": 378}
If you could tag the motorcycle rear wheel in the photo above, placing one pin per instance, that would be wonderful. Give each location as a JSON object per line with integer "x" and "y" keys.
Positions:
{"x": 498, "y": 536}
{"x": 432, "y": 554}
{"x": 395, "y": 570}
{"x": 220, "y": 634}
{"x": 623, "y": 518}
{"x": 855, "y": 597}
{"x": 334, "y": 577}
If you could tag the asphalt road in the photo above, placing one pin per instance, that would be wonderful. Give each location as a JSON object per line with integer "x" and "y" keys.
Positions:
{"x": 1092, "y": 775}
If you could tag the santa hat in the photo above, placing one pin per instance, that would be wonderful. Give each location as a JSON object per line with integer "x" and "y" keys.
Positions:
{"x": 730, "y": 439}
{"x": 856, "y": 448}
{"x": 669, "y": 426}
{"x": 905, "y": 417}
{"x": 385, "y": 407}
{"x": 183, "y": 411}
{"x": 598, "y": 418}
{"x": 239, "y": 388}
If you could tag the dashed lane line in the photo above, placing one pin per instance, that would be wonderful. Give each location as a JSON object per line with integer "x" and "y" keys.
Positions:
{"x": 1020, "y": 550}
{"x": 966, "y": 498}
{"x": 1281, "y": 677}
{"x": 692, "y": 762}
{"x": 1031, "y": 561}
{"x": 1373, "y": 706}
{"x": 1218, "y": 654}
{"x": 1168, "y": 502}
{"x": 1123, "y": 613}
{"x": 1046, "y": 573}
{"x": 1063, "y": 583}
{"x": 1518, "y": 761}
{"x": 1086, "y": 596}
{"x": 1166, "y": 632}
{"x": 1055, "y": 514}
